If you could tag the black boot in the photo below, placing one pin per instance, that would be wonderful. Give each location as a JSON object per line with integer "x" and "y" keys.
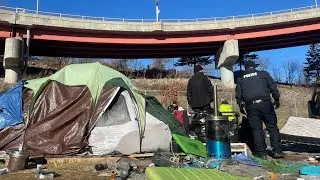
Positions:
{"x": 278, "y": 155}
{"x": 264, "y": 157}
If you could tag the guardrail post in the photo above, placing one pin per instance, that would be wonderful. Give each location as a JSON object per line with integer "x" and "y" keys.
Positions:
{"x": 251, "y": 15}
{"x": 123, "y": 20}
{"x": 291, "y": 10}
{"x": 82, "y": 17}
{"x": 103, "y": 19}
{"x": 60, "y": 15}
{"x": 16, "y": 10}
{"x": 142, "y": 20}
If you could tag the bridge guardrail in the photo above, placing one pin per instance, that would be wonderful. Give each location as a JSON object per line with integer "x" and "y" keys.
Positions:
{"x": 62, "y": 15}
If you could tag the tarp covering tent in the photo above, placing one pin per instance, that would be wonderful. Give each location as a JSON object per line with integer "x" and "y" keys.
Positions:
{"x": 11, "y": 106}
{"x": 68, "y": 108}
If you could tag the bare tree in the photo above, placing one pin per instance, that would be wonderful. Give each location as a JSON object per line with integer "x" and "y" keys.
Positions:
{"x": 160, "y": 63}
{"x": 290, "y": 68}
{"x": 134, "y": 64}
{"x": 139, "y": 65}
{"x": 264, "y": 63}
{"x": 301, "y": 79}
{"x": 276, "y": 73}
{"x": 121, "y": 64}
{"x": 55, "y": 62}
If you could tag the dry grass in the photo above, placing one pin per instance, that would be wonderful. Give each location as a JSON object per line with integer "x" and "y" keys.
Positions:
{"x": 4, "y": 86}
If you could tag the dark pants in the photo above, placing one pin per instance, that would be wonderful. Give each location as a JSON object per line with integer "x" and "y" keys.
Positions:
{"x": 197, "y": 117}
{"x": 207, "y": 108}
{"x": 264, "y": 112}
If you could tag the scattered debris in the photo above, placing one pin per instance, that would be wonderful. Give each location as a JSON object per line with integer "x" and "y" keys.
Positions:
{"x": 100, "y": 167}
{"x": 3, "y": 171}
{"x": 47, "y": 175}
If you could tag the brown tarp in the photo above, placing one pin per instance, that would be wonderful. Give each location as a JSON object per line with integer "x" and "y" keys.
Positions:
{"x": 27, "y": 95}
{"x": 11, "y": 137}
{"x": 61, "y": 119}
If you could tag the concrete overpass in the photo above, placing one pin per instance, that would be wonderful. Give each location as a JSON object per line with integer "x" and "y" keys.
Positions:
{"x": 55, "y": 34}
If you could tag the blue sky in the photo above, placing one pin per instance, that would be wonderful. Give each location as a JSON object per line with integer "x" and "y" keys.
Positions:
{"x": 172, "y": 9}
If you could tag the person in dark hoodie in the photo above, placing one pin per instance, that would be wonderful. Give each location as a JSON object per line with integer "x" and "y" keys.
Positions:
{"x": 200, "y": 91}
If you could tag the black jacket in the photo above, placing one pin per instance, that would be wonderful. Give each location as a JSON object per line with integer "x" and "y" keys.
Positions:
{"x": 254, "y": 85}
{"x": 200, "y": 90}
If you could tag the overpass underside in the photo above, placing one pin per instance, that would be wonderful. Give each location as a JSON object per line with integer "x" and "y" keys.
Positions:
{"x": 98, "y": 50}
{"x": 46, "y": 41}
{"x": 42, "y": 35}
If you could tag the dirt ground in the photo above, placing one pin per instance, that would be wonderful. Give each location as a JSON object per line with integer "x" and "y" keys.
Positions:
{"x": 79, "y": 169}
{"x": 68, "y": 171}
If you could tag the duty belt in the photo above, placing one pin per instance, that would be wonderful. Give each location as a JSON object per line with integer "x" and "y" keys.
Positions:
{"x": 257, "y": 101}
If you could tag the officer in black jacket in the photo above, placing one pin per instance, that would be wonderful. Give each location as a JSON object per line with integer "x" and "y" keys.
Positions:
{"x": 253, "y": 96}
{"x": 315, "y": 101}
{"x": 200, "y": 91}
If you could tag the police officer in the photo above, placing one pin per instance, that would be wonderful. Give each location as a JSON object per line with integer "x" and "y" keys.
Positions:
{"x": 253, "y": 96}
{"x": 315, "y": 101}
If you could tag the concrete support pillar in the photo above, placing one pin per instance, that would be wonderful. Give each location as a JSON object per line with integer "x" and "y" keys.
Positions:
{"x": 12, "y": 60}
{"x": 227, "y": 76}
{"x": 225, "y": 59}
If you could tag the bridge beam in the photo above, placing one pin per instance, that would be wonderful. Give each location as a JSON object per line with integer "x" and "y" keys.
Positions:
{"x": 226, "y": 57}
{"x": 12, "y": 60}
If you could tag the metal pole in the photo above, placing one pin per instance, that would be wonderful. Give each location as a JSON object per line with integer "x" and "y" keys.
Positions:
{"x": 157, "y": 14}
{"x": 215, "y": 100}
{"x": 27, "y": 53}
{"x": 37, "y": 6}
{"x": 157, "y": 10}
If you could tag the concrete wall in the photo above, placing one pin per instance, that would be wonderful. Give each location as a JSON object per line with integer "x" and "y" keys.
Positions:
{"x": 56, "y": 21}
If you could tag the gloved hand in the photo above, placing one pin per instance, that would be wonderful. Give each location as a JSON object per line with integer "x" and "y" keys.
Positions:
{"x": 276, "y": 104}
{"x": 242, "y": 107}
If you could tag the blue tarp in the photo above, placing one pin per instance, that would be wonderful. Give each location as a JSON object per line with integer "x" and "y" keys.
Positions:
{"x": 310, "y": 170}
{"x": 11, "y": 106}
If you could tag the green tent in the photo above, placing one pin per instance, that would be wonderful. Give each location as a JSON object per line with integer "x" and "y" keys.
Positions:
{"x": 92, "y": 75}
{"x": 66, "y": 106}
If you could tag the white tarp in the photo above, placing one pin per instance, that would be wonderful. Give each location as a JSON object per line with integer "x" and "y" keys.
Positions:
{"x": 298, "y": 126}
